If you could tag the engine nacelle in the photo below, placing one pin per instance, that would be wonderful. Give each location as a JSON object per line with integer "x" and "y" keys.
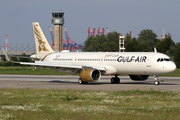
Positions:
{"x": 90, "y": 75}
{"x": 139, "y": 77}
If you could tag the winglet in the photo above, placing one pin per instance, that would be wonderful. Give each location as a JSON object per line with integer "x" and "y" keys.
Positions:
{"x": 7, "y": 57}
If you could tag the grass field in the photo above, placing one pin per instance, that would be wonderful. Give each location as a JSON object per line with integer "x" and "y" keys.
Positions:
{"x": 43, "y": 104}
{"x": 28, "y": 71}
{"x": 33, "y": 71}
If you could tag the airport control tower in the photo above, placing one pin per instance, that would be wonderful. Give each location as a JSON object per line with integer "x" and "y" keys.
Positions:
{"x": 58, "y": 22}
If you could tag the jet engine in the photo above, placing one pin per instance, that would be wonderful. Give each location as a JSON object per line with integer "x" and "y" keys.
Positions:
{"x": 139, "y": 77}
{"x": 90, "y": 75}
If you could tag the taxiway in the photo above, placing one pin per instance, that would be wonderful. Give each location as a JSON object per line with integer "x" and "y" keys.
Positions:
{"x": 71, "y": 82}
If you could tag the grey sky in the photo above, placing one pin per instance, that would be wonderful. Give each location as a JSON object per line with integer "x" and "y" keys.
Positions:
{"x": 16, "y": 17}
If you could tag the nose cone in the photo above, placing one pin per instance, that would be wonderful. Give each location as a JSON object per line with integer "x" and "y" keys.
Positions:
{"x": 172, "y": 67}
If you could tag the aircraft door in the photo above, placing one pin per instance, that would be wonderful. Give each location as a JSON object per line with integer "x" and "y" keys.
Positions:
{"x": 100, "y": 60}
{"x": 148, "y": 62}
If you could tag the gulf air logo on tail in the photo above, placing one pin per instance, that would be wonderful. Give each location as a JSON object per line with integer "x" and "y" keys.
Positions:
{"x": 41, "y": 46}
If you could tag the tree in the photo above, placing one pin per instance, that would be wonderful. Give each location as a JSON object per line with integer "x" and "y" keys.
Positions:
{"x": 103, "y": 43}
{"x": 174, "y": 53}
{"x": 131, "y": 44}
{"x": 24, "y": 59}
{"x": 3, "y": 59}
{"x": 113, "y": 42}
{"x": 177, "y": 54}
{"x": 164, "y": 45}
{"x": 147, "y": 40}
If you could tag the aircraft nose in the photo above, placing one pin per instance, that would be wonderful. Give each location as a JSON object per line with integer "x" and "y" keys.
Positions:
{"x": 172, "y": 67}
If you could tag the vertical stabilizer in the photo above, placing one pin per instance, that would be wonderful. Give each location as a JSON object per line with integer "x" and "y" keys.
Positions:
{"x": 42, "y": 45}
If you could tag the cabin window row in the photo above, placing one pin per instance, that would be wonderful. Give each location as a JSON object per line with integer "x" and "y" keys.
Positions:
{"x": 88, "y": 59}
{"x": 63, "y": 59}
{"x": 97, "y": 59}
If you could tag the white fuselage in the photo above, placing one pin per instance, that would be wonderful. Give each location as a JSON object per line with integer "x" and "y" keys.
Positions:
{"x": 132, "y": 63}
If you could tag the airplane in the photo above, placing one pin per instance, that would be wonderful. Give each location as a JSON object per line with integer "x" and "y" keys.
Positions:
{"x": 91, "y": 65}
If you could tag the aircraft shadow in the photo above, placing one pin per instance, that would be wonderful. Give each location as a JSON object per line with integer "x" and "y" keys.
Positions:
{"x": 103, "y": 83}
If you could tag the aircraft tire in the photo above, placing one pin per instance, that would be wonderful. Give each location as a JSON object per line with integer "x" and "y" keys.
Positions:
{"x": 115, "y": 80}
{"x": 81, "y": 82}
{"x": 156, "y": 82}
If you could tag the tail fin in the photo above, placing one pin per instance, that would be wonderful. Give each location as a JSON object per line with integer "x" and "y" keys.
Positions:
{"x": 42, "y": 45}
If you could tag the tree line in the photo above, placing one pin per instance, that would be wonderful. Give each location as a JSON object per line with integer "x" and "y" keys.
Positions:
{"x": 4, "y": 62}
{"x": 145, "y": 42}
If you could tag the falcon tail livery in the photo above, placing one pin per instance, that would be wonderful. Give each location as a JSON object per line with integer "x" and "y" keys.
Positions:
{"x": 91, "y": 65}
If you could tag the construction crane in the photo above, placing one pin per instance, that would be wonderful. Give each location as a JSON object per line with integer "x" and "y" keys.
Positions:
{"x": 71, "y": 45}
{"x": 107, "y": 30}
{"x": 52, "y": 35}
{"x": 99, "y": 31}
{"x": 102, "y": 31}
{"x": 68, "y": 44}
{"x": 93, "y": 33}
{"x": 64, "y": 45}
{"x": 89, "y": 32}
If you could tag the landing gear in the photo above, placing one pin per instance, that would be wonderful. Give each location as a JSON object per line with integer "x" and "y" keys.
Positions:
{"x": 156, "y": 79}
{"x": 115, "y": 80}
{"x": 81, "y": 82}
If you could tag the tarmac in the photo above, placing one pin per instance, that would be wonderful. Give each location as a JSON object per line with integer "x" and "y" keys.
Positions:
{"x": 71, "y": 82}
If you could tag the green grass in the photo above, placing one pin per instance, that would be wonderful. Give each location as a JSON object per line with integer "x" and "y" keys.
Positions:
{"x": 28, "y": 71}
{"x": 32, "y": 71}
{"x": 46, "y": 104}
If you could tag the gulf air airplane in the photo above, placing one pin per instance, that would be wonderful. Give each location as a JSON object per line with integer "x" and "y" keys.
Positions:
{"x": 91, "y": 65}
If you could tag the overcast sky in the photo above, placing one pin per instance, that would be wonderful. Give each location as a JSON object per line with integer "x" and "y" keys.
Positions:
{"x": 16, "y": 17}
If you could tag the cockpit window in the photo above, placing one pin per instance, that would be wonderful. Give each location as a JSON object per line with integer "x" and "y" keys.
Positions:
{"x": 158, "y": 60}
{"x": 163, "y": 59}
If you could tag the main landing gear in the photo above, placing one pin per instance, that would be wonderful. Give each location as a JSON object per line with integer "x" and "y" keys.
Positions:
{"x": 156, "y": 79}
{"x": 115, "y": 80}
{"x": 81, "y": 82}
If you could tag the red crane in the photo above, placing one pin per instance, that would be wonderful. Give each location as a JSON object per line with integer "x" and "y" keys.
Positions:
{"x": 52, "y": 35}
{"x": 93, "y": 32}
{"x": 107, "y": 30}
{"x": 89, "y": 32}
{"x": 102, "y": 31}
{"x": 99, "y": 31}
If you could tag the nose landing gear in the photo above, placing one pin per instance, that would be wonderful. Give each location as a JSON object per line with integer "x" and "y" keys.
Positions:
{"x": 156, "y": 79}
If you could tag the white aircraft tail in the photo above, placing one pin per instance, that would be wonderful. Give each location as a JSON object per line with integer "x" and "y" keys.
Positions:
{"x": 42, "y": 45}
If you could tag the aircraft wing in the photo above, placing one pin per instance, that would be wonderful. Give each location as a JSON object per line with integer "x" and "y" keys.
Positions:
{"x": 62, "y": 65}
